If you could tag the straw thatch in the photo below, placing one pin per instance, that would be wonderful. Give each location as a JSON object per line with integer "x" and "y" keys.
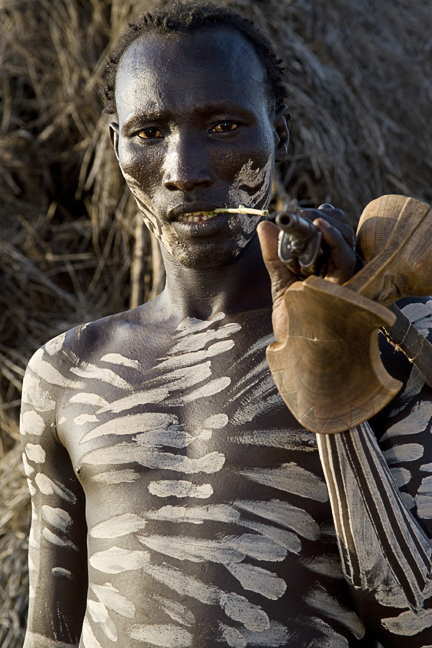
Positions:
{"x": 72, "y": 247}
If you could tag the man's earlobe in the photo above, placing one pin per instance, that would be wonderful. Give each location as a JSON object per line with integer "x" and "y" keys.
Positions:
{"x": 114, "y": 137}
{"x": 281, "y": 122}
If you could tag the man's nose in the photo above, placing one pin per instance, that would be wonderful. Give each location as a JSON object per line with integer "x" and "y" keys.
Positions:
{"x": 186, "y": 165}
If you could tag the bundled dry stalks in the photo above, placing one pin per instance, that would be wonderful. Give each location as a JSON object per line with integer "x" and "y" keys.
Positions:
{"x": 72, "y": 248}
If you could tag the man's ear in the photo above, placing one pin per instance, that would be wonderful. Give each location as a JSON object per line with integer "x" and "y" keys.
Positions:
{"x": 114, "y": 137}
{"x": 281, "y": 121}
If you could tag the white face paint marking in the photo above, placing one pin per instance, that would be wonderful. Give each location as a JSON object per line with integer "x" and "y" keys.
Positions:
{"x": 180, "y": 488}
{"x": 56, "y": 540}
{"x": 116, "y": 560}
{"x": 93, "y": 372}
{"x": 32, "y": 423}
{"x": 113, "y": 600}
{"x": 35, "y": 453}
{"x": 118, "y": 359}
{"x": 116, "y": 477}
{"x": 163, "y": 635}
{"x": 328, "y": 605}
{"x": 258, "y": 580}
{"x": 401, "y": 453}
{"x": 89, "y": 399}
{"x": 119, "y": 525}
{"x": 49, "y": 487}
{"x": 291, "y": 479}
{"x": 250, "y": 178}
{"x": 132, "y": 453}
{"x": 57, "y": 517}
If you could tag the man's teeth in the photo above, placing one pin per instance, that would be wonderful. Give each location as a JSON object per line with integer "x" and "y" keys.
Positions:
{"x": 196, "y": 217}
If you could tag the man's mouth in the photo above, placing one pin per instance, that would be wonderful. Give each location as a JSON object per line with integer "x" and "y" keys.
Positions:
{"x": 198, "y": 217}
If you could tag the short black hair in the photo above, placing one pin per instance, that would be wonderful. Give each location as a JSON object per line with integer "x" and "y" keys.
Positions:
{"x": 180, "y": 18}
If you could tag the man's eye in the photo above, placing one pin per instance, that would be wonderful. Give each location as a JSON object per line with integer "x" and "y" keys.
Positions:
{"x": 224, "y": 127}
{"x": 150, "y": 133}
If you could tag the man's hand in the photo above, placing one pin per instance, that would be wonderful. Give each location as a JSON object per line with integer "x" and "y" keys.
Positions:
{"x": 341, "y": 264}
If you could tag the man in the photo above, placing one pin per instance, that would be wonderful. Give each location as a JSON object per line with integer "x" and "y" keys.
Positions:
{"x": 176, "y": 502}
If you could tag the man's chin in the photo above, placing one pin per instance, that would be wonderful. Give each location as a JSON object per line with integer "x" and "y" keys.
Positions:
{"x": 204, "y": 259}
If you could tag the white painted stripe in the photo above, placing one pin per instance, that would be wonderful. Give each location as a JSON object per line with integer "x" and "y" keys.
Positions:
{"x": 193, "y": 325}
{"x": 87, "y": 398}
{"x": 164, "y": 635}
{"x": 32, "y": 423}
{"x": 195, "y": 357}
{"x": 93, "y": 372}
{"x": 132, "y": 453}
{"x": 139, "y": 398}
{"x": 64, "y": 543}
{"x": 258, "y": 580}
{"x": 185, "y": 377}
{"x": 48, "y": 487}
{"x": 117, "y": 560}
{"x": 417, "y": 421}
{"x": 57, "y": 517}
{"x": 211, "y": 388}
{"x": 286, "y": 539}
{"x": 196, "y": 514}
{"x": 33, "y": 394}
{"x": 132, "y": 424}
{"x": 198, "y": 341}
{"x": 88, "y": 636}
{"x": 401, "y": 476}
{"x": 409, "y": 623}
{"x": 27, "y": 468}
{"x": 117, "y": 526}
{"x": 238, "y": 608}
{"x": 113, "y": 600}
{"x": 331, "y": 607}
{"x": 327, "y": 565}
{"x": 62, "y": 573}
{"x": 55, "y": 345}
{"x": 35, "y": 453}
{"x": 99, "y": 614}
{"x": 47, "y": 372}
{"x": 116, "y": 477}
{"x": 284, "y": 514}
{"x": 85, "y": 418}
{"x": 333, "y": 639}
{"x": 118, "y": 359}
{"x": 290, "y": 478}
{"x": 183, "y": 584}
{"x": 31, "y": 488}
{"x": 232, "y": 636}
{"x": 290, "y": 439}
{"x": 180, "y": 488}
{"x": 175, "y": 610}
{"x": 405, "y": 452}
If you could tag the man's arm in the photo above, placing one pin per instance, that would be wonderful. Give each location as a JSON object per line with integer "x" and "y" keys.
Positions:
{"x": 57, "y": 544}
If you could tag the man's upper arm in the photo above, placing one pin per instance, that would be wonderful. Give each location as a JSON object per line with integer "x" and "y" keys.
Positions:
{"x": 403, "y": 428}
{"x": 57, "y": 544}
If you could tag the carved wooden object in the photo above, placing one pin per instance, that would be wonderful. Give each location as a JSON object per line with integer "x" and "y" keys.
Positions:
{"x": 329, "y": 370}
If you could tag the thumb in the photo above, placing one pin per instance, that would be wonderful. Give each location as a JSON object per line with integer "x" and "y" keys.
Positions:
{"x": 280, "y": 276}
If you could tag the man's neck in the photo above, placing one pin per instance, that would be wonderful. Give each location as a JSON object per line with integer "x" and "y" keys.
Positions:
{"x": 241, "y": 286}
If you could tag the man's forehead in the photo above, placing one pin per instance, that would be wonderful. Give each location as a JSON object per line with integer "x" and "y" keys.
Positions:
{"x": 218, "y": 56}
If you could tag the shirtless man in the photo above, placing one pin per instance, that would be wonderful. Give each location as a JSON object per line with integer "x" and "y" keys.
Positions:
{"x": 176, "y": 502}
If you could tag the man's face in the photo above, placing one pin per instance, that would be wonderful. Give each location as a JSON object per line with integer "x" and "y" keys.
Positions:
{"x": 195, "y": 133}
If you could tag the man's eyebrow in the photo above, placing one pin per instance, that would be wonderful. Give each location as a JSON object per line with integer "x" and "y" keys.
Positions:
{"x": 137, "y": 120}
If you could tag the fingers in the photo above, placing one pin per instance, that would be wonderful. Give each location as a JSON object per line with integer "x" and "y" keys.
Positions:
{"x": 342, "y": 259}
{"x": 335, "y": 217}
{"x": 280, "y": 275}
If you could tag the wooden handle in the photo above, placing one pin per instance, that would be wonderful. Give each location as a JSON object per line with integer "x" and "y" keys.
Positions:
{"x": 329, "y": 371}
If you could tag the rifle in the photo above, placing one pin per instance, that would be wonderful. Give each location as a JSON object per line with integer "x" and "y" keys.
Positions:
{"x": 329, "y": 370}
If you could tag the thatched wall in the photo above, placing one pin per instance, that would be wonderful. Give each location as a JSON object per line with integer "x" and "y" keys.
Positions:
{"x": 72, "y": 248}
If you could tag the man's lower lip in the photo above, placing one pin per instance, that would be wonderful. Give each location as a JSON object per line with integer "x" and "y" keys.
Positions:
{"x": 205, "y": 228}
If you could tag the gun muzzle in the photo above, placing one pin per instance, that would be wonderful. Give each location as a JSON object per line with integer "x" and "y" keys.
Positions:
{"x": 299, "y": 243}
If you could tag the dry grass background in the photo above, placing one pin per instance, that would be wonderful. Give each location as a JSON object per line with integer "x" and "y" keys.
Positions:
{"x": 71, "y": 246}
